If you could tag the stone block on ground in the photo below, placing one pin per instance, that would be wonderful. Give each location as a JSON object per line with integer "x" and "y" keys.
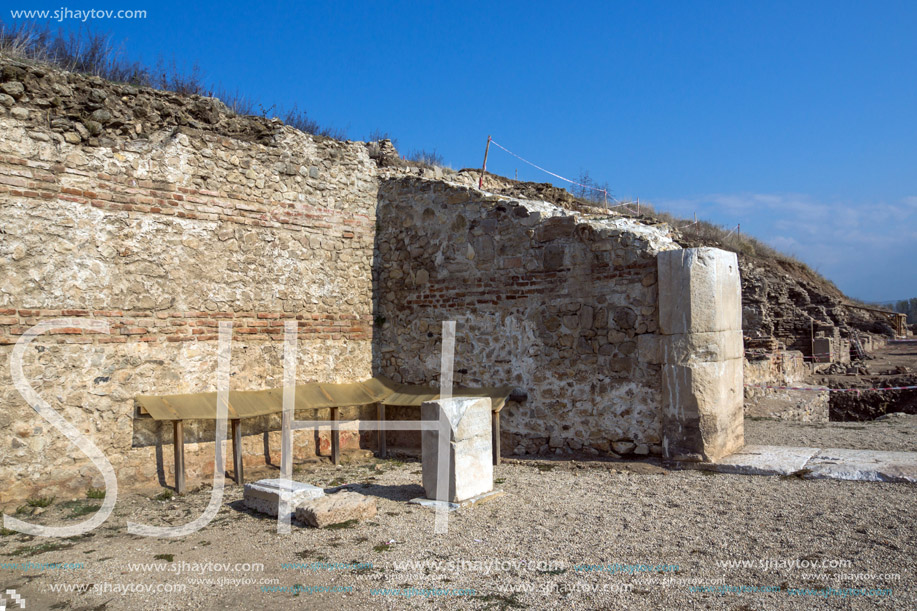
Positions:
{"x": 263, "y": 496}
{"x": 863, "y": 465}
{"x": 814, "y": 463}
{"x": 469, "y": 448}
{"x": 336, "y": 508}
{"x": 766, "y": 460}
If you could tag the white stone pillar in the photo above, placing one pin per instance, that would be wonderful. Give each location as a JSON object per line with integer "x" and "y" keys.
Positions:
{"x": 468, "y": 450}
{"x": 700, "y": 320}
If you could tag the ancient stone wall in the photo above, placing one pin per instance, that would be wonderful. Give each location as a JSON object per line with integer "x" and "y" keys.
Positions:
{"x": 546, "y": 300}
{"x": 776, "y": 387}
{"x": 163, "y": 231}
{"x": 163, "y": 216}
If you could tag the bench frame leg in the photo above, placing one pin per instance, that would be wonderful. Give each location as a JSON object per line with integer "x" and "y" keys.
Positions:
{"x": 380, "y": 435}
{"x": 496, "y": 437}
{"x": 178, "y": 447}
{"x": 335, "y": 437}
{"x": 238, "y": 474}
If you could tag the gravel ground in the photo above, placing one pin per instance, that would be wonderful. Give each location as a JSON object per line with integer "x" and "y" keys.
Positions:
{"x": 894, "y": 433}
{"x": 668, "y": 527}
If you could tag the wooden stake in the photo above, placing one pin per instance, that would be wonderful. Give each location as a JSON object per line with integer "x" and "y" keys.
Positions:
{"x": 812, "y": 339}
{"x": 484, "y": 167}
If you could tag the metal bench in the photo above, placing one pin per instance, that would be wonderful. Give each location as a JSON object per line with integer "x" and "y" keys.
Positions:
{"x": 254, "y": 403}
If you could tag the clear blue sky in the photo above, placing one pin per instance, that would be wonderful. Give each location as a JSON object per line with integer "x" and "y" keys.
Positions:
{"x": 797, "y": 120}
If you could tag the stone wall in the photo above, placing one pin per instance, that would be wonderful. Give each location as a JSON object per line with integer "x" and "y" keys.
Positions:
{"x": 791, "y": 397}
{"x": 782, "y": 368}
{"x": 163, "y": 231}
{"x": 163, "y": 216}
{"x": 550, "y": 301}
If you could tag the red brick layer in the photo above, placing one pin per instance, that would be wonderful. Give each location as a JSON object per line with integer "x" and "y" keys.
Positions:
{"x": 159, "y": 327}
{"x": 36, "y": 180}
{"x": 446, "y": 293}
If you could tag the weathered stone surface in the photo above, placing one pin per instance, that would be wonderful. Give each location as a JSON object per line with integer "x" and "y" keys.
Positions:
{"x": 165, "y": 215}
{"x": 14, "y": 89}
{"x": 336, "y": 508}
{"x": 625, "y": 447}
{"x": 814, "y": 463}
{"x": 803, "y": 403}
{"x": 699, "y": 291}
{"x": 687, "y": 348}
{"x": 701, "y": 348}
{"x": 863, "y": 465}
{"x": 704, "y": 412}
{"x": 765, "y": 460}
{"x": 469, "y": 448}
{"x": 264, "y": 495}
{"x": 560, "y": 311}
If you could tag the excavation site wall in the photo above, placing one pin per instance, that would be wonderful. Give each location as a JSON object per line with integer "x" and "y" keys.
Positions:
{"x": 162, "y": 232}
{"x": 135, "y": 223}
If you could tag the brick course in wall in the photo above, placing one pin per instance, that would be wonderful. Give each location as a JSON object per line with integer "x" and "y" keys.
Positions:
{"x": 22, "y": 178}
{"x": 158, "y": 327}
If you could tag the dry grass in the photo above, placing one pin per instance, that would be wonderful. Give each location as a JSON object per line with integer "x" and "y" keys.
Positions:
{"x": 88, "y": 52}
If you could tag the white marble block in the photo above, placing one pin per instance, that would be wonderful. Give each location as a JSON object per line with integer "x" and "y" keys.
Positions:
{"x": 263, "y": 496}
{"x": 699, "y": 291}
{"x": 469, "y": 449}
{"x": 701, "y": 348}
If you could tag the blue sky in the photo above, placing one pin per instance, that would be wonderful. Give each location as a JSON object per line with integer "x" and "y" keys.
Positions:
{"x": 797, "y": 120}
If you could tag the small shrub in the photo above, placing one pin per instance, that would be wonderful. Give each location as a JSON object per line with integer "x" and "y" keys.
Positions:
{"x": 83, "y": 509}
{"x": 342, "y": 525}
{"x": 165, "y": 495}
{"x": 427, "y": 158}
{"x": 166, "y": 557}
{"x": 41, "y": 501}
{"x": 294, "y": 117}
{"x": 95, "y": 493}
{"x": 377, "y": 135}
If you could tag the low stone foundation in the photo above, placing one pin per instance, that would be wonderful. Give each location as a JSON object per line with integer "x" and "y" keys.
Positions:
{"x": 810, "y": 404}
